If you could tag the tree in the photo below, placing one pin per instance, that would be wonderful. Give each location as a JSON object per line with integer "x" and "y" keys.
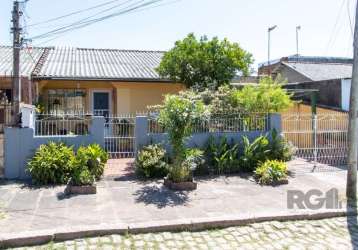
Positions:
{"x": 204, "y": 62}
{"x": 267, "y": 97}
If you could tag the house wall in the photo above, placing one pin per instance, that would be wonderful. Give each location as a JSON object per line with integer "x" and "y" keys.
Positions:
{"x": 27, "y": 91}
{"x": 329, "y": 92}
{"x": 127, "y": 97}
{"x": 133, "y": 97}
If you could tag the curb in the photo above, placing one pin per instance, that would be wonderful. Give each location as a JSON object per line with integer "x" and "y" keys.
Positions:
{"x": 43, "y": 237}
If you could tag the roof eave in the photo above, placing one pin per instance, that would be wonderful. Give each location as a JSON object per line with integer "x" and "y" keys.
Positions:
{"x": 101, "y": 79}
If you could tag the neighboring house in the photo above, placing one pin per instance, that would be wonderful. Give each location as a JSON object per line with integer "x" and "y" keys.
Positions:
{"x": 331, "y": 76}
{"x": 28, "y": 59}
{"x": 99, "y": 81}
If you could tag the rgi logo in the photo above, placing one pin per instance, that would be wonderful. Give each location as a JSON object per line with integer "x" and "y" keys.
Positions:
{"x": 313, "y": 199}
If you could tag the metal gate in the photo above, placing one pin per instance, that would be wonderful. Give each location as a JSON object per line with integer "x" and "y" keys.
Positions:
{"x": 119, "y": 136}
{"x": 321, "y": 138}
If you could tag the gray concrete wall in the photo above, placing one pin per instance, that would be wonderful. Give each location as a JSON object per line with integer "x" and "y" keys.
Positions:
{"x": 200, "y": 139}
{"x": 21, "y": 144}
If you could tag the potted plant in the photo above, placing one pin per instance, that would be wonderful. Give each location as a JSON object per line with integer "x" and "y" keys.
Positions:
{"x": 178, "y": 116}
{"x": 81, "y": 182}
{"x": 88, "y": 167}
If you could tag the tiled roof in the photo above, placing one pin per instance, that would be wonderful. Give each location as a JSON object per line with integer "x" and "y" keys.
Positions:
{"x": 322, "y": 71}
{"x": 28, "y": 60}
{"x": 79, "y": 63}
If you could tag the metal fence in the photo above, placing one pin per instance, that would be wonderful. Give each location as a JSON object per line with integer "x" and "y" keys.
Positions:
{"x": 321, "y": 138}
{"x": 119, "y": 135}
{"x": 219, "y": 123}
{"x": 62, "y": 124}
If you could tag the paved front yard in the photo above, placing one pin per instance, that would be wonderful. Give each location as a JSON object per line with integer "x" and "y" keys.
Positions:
{"x": 124, "y": 202}
{"x": 321, "y": 234}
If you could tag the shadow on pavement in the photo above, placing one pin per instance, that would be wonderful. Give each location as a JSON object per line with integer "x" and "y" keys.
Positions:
{"x": 160, "y": 196}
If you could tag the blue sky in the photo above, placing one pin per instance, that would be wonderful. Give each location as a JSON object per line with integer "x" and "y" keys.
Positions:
{"x": 326, "y": 29}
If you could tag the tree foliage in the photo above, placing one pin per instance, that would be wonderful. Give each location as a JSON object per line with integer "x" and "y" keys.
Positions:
{"x": 178, "y": 116}
{"x": 266, "y": 97}
{"x": 203, "y": 62}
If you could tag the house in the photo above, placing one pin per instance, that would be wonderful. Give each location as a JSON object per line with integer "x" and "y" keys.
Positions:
{"x": 331, "y": 76}
{"x": 98, "y": 81}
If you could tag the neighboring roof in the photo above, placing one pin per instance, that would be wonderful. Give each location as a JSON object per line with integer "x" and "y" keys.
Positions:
{"x": 81, "y": 63}
{"x": 322, "y": 71}
{"x": 28, "y": 60}
{"x": 315, "y": 68}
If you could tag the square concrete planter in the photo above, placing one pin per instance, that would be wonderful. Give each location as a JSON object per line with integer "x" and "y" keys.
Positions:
{"x": 180, "y": 186}
{"x": 86, "y": 189}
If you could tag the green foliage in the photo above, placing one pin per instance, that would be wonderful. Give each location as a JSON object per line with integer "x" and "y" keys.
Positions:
{"x": 51, "y": 164}
{"x": 193, "y": 159}
{"x": 150, "y": 162}
{"x": 178, "y": 115}
{"x": 56, "y": 163}
{"x": 222, "y": 156}
{"x": 93, "y": 157}
{"x": 267, "y": 97}
{"x": 203, "y": 62}
{"x": 254, "y": 152}
{"x": 280, "y": 149}
{"x": 271, "y": 171}
{"x": 82, "y": 176}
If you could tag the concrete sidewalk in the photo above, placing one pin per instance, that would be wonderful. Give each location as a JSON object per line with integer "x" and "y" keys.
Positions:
{"x": 125, "y": 202}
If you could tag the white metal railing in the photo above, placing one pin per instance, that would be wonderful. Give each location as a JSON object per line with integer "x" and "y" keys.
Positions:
{"x": 62, "y": 124}
{"x": 320, "y": 138}
{"x": 119, "y": 135}
{"x": 220, "y": 123}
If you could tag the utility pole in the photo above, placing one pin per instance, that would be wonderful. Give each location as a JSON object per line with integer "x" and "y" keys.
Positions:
{"x": 16, "y": 80}
{"x": 269, "y": 47}
{"x": 351, "y": 190}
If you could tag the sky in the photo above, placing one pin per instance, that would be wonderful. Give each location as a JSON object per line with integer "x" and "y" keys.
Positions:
{"x": 326, "y": 28}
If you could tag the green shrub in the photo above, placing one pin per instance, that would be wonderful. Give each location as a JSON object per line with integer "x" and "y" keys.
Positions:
{"x": 150, "y": 162}
{"x": 94, "y": 157}
{"x": 271, "y": 171}
{"x": 178, "y": 116}
{"x": 222, "y": 156}
{"x": 254, "y": 153}
{"x": 193, "y": 159}
{"x": 82, "y": 176}
{"x": 280, "y": 149}
{"x": 51, "y": 164}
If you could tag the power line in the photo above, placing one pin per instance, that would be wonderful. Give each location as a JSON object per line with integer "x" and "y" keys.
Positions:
{"x": 83, "y": 23}
{"x": 350, "y": 18}
{"x": 335, "y": 26}
{"x": 72, "y": 13}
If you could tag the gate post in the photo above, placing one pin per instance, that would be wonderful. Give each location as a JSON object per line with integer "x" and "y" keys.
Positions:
{"x": 141, "y": 132}
{"x": 97, "y": 130}
{"x": 274, "y": 122}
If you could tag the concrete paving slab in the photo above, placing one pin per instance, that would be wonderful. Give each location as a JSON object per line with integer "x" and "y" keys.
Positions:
{"x": 123, "y": 203}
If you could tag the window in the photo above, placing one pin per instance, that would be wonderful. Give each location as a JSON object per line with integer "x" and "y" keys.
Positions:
{"x": 62, "y": 101}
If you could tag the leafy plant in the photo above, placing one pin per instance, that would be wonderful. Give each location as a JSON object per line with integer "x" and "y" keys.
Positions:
{"x": 51, "y": 164}
{"x": 222, "y": 156}
{"x": 94, "y": 157}
{"x": 271, "y": 171}
{"x": 150, "y": 161}
{"x": 178, "y": 115}
{"x": 203, "y": 62}
{"x": 267, "y": 97}
{"x": 280, "y": 149}
{"x": 254, "y": 152}
{"x": 82, "y": 176}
